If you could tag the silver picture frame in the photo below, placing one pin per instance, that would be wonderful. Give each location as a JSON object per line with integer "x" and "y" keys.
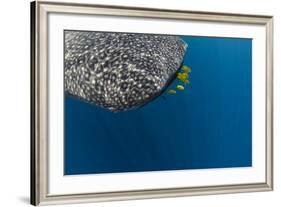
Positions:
{"x": 39, "y": 100}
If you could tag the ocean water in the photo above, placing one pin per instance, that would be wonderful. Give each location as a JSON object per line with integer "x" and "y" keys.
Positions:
{"x": 208, "y": 125}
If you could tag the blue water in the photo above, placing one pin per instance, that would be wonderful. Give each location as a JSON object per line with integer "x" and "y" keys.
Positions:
{"x": 208, "y": 125}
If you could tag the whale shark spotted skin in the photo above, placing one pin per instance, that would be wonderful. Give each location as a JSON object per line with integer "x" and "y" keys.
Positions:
{"x": 120, "y": 71}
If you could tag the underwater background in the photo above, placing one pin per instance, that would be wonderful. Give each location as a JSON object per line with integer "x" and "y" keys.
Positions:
{"x": 206, "y": 125}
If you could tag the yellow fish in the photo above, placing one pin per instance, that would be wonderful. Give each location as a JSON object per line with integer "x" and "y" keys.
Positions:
{"x": 182, "y": 76}
{"x": 186, "y": 68}
{"x": 180, "y": 87}
{"x": 172, "y": 91}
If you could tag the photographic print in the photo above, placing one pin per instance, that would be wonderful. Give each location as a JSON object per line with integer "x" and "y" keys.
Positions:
{"x": 136, "y": 103}
{"x": 154, "y": 102}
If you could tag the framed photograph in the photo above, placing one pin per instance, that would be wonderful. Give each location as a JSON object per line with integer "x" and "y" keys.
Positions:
{"x": 134, "y": 103}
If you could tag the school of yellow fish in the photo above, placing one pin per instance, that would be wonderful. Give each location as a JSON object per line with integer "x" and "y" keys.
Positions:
{"x": 183, "y": 77}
